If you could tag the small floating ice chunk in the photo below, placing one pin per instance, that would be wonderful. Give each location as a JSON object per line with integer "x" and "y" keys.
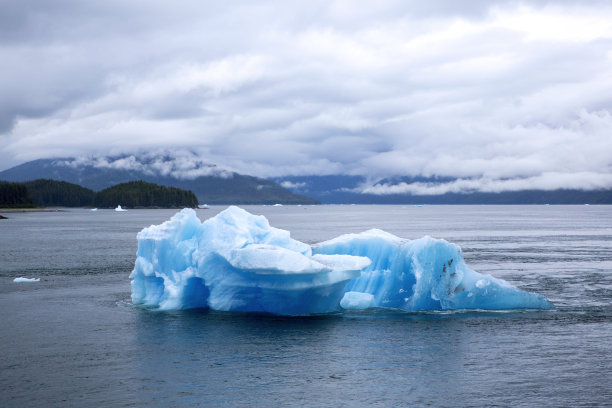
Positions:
{"x": 357, "y": 301}
{"x": 119, "y": 208}
{"x": 24, "y": 280}
{"x": 94, "y": 209}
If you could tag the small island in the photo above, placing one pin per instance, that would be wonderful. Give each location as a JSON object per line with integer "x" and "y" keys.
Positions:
{"x": 140, "y": 194}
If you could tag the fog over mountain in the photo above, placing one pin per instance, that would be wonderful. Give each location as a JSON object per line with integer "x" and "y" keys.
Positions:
{"x": 180, "y": 168}
{"x": 495, "y": 95}
{"x": 179, "y": 164}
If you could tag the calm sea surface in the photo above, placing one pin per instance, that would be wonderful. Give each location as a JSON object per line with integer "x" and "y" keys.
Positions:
{"x": 74, "y": 339}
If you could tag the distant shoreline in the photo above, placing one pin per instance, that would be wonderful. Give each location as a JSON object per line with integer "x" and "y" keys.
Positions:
{"x": 18, "y": 210}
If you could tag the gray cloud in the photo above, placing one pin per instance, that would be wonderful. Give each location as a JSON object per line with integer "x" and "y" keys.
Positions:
{"x": 489, "y": 92}
{"x": 177, "y": 163}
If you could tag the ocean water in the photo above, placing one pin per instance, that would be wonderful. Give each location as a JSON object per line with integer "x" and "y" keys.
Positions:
{"x": 74, "y": 339}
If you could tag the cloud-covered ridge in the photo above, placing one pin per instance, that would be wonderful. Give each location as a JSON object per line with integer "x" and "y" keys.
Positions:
{"x": 182, "y": 165}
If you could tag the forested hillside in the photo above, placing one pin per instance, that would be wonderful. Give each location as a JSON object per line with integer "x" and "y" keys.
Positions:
{"x": 14, "y": 195}
{"x": 51, "y": 193}
{"x": 210, "y": 184}
{"x": 141, "y": 194}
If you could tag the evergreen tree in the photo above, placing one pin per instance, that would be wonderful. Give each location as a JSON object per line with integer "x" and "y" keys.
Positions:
{"x": 14, "y": 195}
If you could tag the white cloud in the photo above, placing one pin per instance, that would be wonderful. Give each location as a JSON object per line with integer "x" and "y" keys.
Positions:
{"x": 290, "y": 185}
{"x": 480, "y": 91}
{"x": 561, "y": 24}
{"x": 545, "y": 181}
{"x": 181, "y": 164}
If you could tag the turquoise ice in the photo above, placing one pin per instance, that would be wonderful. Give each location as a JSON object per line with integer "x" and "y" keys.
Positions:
{"x": 237, "y": 262}
{"x": 422, "y": 274}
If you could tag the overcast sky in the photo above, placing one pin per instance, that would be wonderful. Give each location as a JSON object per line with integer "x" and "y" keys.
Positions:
{"x": 496, "y": 92}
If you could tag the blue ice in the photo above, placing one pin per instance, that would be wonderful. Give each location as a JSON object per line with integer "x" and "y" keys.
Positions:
{"x": 421, "y": 275}
{"x": 237, "y": 262}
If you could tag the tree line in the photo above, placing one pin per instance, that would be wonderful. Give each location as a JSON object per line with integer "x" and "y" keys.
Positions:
{"x": 14, "y": 195}
{"x": 142, "y": 194}
{"x": 52, "y": 193}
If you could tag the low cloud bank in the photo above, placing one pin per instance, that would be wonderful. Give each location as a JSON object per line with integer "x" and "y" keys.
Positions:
{"x": 547, "y": 181}
{"x": 175, "y": 164}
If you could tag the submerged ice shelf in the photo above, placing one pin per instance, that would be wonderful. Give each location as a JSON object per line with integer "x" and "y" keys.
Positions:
{"x": 236, "y": 261}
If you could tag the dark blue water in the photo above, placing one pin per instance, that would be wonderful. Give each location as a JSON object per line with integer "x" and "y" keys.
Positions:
{"x": 73, "y": 339}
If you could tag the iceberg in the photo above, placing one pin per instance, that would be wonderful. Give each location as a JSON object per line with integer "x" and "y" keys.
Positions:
{"x": 118, "y": 208}
{"x": 25, "y": 280}
{"x": 237, "y": 262}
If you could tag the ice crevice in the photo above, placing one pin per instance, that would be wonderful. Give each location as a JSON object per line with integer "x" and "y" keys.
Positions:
{"x": 237, "y": 262}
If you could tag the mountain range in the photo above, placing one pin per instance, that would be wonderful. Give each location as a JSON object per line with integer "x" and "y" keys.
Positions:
{"x": 215, "y": 185}
{"x": 212, "y": 185}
